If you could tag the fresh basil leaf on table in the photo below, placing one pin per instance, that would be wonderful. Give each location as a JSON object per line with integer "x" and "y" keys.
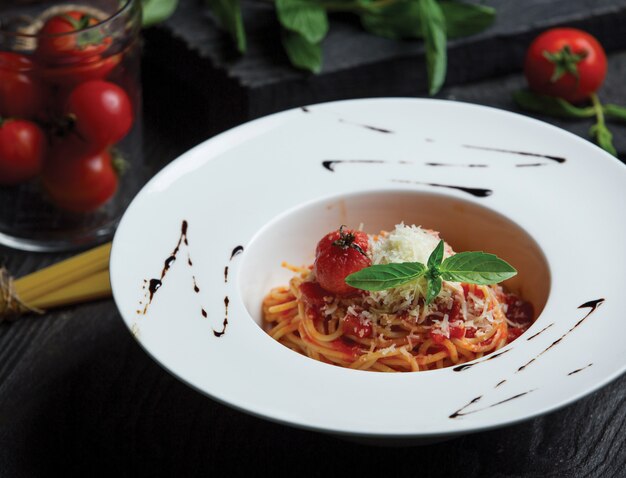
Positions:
{"x": 464, "y": 19}
{"x": 306, "y": 17}
{"x": 301, "y": 52}
{"x": 156, "y": 11}
{"x": 434, "y": 29}
{"x": 228, "y": 14}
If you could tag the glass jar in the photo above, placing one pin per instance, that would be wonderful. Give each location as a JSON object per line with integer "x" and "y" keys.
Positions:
{"x": 70, "y": 120}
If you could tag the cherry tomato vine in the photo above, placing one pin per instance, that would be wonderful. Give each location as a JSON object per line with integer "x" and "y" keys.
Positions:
{"x": 565, "y": 68}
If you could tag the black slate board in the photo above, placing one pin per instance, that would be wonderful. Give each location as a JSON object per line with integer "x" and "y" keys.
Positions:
{"x": 356, "y": 63}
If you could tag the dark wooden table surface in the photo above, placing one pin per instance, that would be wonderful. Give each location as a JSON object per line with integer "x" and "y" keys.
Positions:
{"x": 79, "y": 396}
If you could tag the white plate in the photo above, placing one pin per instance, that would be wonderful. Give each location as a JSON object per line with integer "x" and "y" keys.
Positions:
{"x": 268, "y": 186}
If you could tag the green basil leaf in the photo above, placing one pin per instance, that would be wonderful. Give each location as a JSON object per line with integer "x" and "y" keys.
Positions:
{"x": 434, "y": 29}
{"x": 436, "y": 256}
{"x": 386, "y": 276}
{"x": 615, "y": 112}
{"x": 305, "y": 17}
{"x": 604, "y": 138}
{"x": 157, "y": 11}
{"x": 397, "y": 21}
{"x": 302, "y": 53}
{"x": 228, "y": 15}
{"x": 476, "y": 268}
{"x": 401, "y": 19}
{"x": 463, "y": 19}
{"x": 550, "y": 105}
{"x": 434, "y": 287}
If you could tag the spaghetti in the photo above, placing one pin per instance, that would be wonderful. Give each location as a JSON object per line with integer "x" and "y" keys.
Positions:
{"x": 393, "y": 330}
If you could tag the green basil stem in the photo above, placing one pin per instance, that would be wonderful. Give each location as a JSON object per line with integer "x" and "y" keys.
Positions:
{"x": 597, "y": 107}
{"x": 603, "y": 136}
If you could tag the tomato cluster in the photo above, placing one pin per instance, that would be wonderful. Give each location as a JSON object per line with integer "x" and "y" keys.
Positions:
{"x": 61, "y": 115}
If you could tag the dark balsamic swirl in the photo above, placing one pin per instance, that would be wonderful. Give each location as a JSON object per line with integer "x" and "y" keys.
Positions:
{"x": 460, "y": 412}
{"x": 155, "y": 284}
{"x": 465, "y": 366}
{"x": 580, "y": 369}
{"x": 592, "y": 305}
{"x": 225, "y": 322}
{"x": 557, "y": 159}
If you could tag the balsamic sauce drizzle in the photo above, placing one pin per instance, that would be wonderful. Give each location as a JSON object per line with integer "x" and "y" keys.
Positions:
{"x": 540, "y": 332}
{"x": 367, "y": 126}
{"x": 580, "y": 369}
{"x": 592, "y": 305}
{"x": 558, "y": 159}
{"x": 330, "y": 163}
{"x": 477, "y": 192}
{"x": 225, "y": 323}
{"x": 237, "y": 250}
{"x": 465, "y": 366}
{"x": 460, "y": 412}
{"x": 451, "y": 165}
{"x": 155, "y": 284}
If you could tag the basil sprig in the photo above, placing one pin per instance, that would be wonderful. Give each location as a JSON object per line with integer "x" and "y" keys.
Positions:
{"x": 479, "y": 268}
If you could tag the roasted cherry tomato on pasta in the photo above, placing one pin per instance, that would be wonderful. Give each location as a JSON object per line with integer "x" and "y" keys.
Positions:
{"x": 77, "y": 179}
{"x": 22, "y": 149}
{"x": 20, "y": 91}
{"x": 71, "y": 37}
{"x": 339, "y": 254}
{"x": 566, "y": 63}
{"x": 101, "y": 111}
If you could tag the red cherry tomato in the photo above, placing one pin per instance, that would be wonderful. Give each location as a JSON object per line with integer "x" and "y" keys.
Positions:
{"x": 77, "y": 179}
{"x": 92, "y": 68}
{"x": 20, "y": 92}
{"x": 567, "y": 63}
{"x": 339, "y": 254}
{"x": 102, "y": 112}
{"x": 22, "y": 149}
{"x": 70, "y": 37}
